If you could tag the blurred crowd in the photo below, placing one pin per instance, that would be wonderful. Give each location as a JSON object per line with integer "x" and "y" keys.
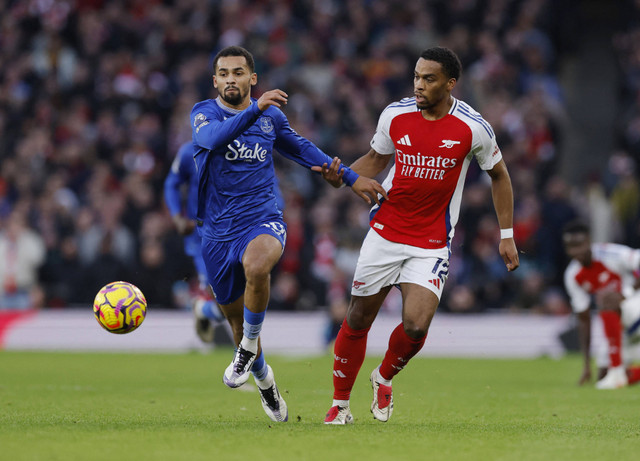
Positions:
{"x": 95, "y": 98}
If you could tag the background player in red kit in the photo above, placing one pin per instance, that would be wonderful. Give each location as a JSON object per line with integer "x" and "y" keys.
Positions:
{"x": 433, "y": 136}
{"x": 605, "y": 272}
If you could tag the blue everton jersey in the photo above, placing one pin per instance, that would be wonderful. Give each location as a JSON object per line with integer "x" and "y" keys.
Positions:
{"x": 234, "y": 159}
{"x": 183, "y": 171}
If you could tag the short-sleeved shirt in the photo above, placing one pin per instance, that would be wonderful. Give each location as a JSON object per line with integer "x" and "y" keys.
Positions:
{"x": 425, "y": 183}
{"x": 612, "y": 267}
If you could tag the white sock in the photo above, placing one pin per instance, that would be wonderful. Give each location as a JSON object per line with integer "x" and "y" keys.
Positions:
{"x": 266, "y": 383}
{"x": 380, "y": 379}
{"x": 341, "y": 403}
{"x": 249, "y": 344}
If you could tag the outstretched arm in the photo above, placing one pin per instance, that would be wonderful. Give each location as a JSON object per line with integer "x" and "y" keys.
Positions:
{"x": 502, "y": 194}
{"x": 371, "y": 164}
{"x": 209, "y": 132}
{"x": 368, "y": 166}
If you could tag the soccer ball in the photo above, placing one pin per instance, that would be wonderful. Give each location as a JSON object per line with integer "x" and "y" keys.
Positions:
{"x": 120, "y": 307}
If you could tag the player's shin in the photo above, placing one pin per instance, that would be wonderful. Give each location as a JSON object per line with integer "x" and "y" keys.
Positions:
{"x": 401, "y": 349}
{"x": 349, "y": 352}
{"x": 251, "y": 326}
{"x": 613, "y": 331}
{"x": 259, "y": 368}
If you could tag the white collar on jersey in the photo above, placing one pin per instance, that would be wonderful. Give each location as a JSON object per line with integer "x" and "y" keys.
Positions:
{"x": 229, "y": 109}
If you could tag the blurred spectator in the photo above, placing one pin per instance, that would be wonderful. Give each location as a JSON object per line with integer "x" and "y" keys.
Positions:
{"x": 22, "y": 252}
{"x": 95, "y": 97}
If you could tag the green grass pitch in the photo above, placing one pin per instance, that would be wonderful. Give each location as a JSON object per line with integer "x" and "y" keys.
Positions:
{"x": 96, "y": 406}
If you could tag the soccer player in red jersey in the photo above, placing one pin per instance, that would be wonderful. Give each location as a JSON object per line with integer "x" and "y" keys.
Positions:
{"x": 433, "y": 137}
{"x": 607, "y": 273}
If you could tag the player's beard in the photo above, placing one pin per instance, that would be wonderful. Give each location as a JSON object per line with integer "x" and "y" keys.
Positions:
{"x": 234, "y": 99}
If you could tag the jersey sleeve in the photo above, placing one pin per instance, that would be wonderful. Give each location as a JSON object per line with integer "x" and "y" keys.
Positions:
{"x": 210, "y": 131}
{"x": 484, "y": 145}
{"x": 627, "y": 258}
{"x": 381, "y": 141}
{"x": 579, "y": 298}
{"x": 178, "y": 175}
{"x": 293, "y": 146}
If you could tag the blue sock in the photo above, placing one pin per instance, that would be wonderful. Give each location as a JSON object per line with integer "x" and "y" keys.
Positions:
{"x": 259, "y": 368}
{"x": 252, "y": 323}
{"x": 211, "y": 311}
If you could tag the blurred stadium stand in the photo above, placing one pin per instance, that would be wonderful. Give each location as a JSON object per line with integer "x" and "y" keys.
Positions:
{"x": 95, "y": 97}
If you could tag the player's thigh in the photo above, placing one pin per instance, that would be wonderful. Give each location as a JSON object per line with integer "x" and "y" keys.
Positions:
{"x": 225, "y": 274}
{"x": 261, "y": 255}
{"x": 419, "y": 305}
{"x": 427, "y": 268}
{"x": 362, "y": 310}
{"x": 264, "y": 245}
{"x": 422, "y": 280}
{"x": 378, "y": 266}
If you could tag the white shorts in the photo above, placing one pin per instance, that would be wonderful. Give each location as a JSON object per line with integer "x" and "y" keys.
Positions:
{"x": 383, "y": 263}
{"x": 630, "y": 316}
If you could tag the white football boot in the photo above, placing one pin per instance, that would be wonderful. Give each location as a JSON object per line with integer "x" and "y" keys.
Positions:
{"x": 274, "y": 405}
{"x": 237, "y": 373}
{"x": 338, "y": 415}
{"x": 382, "y": 405}
{"x": 615, "y": 378}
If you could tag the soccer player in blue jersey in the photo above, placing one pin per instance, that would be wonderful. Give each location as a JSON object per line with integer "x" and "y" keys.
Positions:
{"x": 182, "y": 208}
{"x": 182, "y": 205}
{"x": 243, "y": 233}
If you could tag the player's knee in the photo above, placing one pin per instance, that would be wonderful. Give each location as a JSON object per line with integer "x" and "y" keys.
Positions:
{"x": 357, "y": 319}
{"x": 415, "y": 330}
{"x": 256, "y": 271}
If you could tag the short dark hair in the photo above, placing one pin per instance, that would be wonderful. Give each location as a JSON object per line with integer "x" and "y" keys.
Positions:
{"x": 234, "y": 51}
{"x": 576, "y": 226}
{"x": 448, "y": 60}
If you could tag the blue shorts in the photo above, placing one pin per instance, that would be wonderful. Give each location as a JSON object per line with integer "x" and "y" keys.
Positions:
{"x": 223, "y": 259}
{"x": 193, "y": 248}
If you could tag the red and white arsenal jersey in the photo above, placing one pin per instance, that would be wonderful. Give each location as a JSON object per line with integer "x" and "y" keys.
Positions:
{"x": 431, "y": 161}
{"x": 612, "y": 267}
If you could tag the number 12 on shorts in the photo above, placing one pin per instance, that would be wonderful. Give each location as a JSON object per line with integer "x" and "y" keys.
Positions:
{"x": 443, "y": 273}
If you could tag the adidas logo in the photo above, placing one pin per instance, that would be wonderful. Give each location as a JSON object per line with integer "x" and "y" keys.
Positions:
{"x": 405, "y": 141}
{"x": 339, "y": 374}
{"x": 435, "y": 282}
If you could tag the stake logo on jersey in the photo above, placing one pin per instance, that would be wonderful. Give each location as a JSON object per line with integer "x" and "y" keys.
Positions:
{"x": 243, "y": 152}
{"x": 431, "y": 160}
{"x": 233, "y": 151}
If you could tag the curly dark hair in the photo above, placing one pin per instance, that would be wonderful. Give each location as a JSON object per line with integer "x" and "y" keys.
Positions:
{"x": 234, "y": 51}
{"x": 448, "y": 60}
{"x": 576, "y": 227}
